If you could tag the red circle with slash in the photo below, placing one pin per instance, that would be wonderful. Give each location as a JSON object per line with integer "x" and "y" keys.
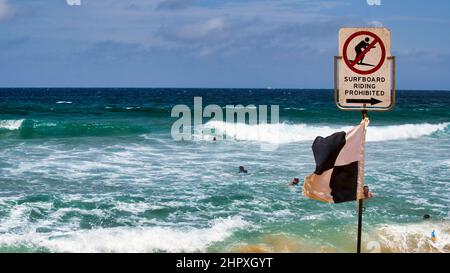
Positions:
{"x": 376, "y": 40}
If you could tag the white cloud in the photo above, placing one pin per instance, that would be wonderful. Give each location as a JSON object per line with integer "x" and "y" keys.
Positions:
{"x": 5, "y": 10}
{"x": 373, "y": 2}
{"x": 212, "y": 28}
{"x": 375, "y": 23}
{"x": 174, "y": 4}
{"x": 73, "y": 2}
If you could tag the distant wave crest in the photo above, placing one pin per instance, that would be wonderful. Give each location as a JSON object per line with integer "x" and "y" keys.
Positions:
{"x": 11, "y": 124}
{"x": 288, "y": 133}
{"x": 30, "y": 128}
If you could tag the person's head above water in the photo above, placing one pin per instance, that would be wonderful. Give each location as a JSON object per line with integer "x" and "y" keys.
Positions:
{"x": 294, "y": 181}
{"x": 242, "y": 169}
{"x": 426, "y": 217}
{"x": 367, "y": 192}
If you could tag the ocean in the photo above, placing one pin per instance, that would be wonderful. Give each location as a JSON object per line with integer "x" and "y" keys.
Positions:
{"x": 96, "y": 170}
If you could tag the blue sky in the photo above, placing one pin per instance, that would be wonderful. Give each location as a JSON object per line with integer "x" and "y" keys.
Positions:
{"x": 211, "y": 43}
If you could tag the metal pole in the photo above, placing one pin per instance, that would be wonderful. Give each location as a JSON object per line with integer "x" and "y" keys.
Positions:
{"x": 360, "y": 208}
{"x": 393, "y": 88}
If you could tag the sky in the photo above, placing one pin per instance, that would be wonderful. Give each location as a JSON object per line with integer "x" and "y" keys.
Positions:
{"x": 211, "y": 43}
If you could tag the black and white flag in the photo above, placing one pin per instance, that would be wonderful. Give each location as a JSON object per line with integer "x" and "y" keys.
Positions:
{"x": 339, "y": 174}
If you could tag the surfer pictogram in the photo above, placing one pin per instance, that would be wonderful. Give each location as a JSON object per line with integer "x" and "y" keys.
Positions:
{"x": 359, "y": 50}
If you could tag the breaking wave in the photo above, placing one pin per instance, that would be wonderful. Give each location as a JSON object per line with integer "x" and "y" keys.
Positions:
{"x": 11, "y": 124}
{"x": 28, "y": 128}
{"x": 414, "y": 237}
{"x": 145, "y": 239}
{"x": 288, "y": 133}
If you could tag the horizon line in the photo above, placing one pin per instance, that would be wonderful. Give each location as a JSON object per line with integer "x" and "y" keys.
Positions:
{"x": 209, "y": 88}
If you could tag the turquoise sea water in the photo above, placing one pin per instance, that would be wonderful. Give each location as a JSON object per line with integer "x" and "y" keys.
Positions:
{"x": 96, "y": 170}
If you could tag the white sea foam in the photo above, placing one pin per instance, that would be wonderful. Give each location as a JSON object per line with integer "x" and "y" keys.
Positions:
{"x": 288, "y": 133}
{"x": 447, "y": 162}
{"x": 404, "y": 131}
{"x": 63, "y": 102}
{"x": 295, "y": 108}
{"x": 16, "y": 218}
{"x": 414, "y": 237}
{"x": 137, "y": 239}
{"x": 136, "y": 207}
{"x": 11, "y": 124}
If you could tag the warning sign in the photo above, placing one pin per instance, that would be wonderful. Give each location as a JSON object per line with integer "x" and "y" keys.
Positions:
{"x": 363, "y": 79}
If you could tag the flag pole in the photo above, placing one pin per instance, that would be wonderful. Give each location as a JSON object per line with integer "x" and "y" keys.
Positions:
{"x": 360, "y": 207}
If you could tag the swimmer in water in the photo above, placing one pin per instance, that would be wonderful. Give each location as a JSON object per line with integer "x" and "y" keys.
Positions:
{"x": 433, "y": 235}
{"x": 242, "y": 169}
{"x": 294, "y": 182}
{"x": 367, "y": 193}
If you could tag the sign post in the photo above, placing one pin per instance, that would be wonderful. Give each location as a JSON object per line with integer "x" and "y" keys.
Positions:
{"x": 364, "y": 78}
{"x": 360, "y": 208}
{"x": 358, "y": 242}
